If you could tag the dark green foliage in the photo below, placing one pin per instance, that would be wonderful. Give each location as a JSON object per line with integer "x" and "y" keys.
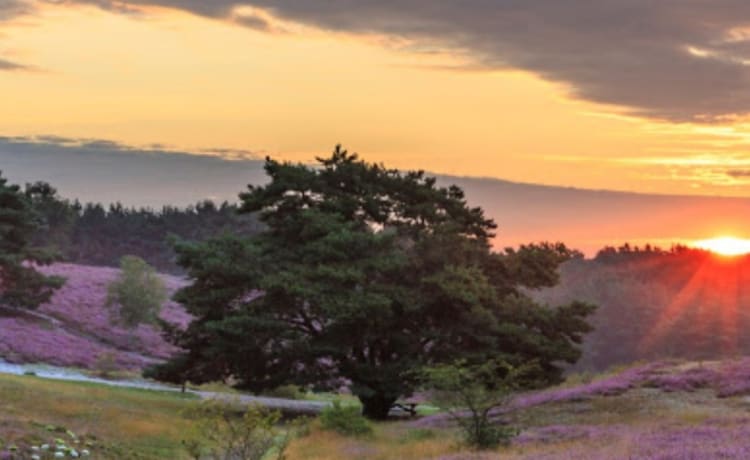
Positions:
{"x": 20, "y": 284}
{"x": 98, "y": 235}
{"x": 364, "y": 274}
{"x": 101, "y": 236}
{"x": 346, "y": 420}
{"x": 138, "y": 291}
{"x": 56, "y": 217}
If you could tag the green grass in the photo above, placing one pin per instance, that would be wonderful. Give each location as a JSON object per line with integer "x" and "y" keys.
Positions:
{"x": 126, "y": 423}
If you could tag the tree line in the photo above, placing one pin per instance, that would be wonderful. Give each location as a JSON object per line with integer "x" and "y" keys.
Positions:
{"x": 94, "y": 234}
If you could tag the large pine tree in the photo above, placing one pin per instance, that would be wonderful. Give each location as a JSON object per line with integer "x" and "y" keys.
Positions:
{"x": 21, "y": 285}
{"x": 362, "y": 276}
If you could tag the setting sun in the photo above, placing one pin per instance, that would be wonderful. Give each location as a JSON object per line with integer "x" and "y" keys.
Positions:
{"x": 725, "y": 245}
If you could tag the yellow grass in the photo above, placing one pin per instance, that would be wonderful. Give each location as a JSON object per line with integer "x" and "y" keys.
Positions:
{"x": 128, "y": 423}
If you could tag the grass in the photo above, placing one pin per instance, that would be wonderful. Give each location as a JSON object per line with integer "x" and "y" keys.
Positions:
{"x": 393, "y": 440}
{"x": 142, "y": 424}
{"x": 128, "y": 423}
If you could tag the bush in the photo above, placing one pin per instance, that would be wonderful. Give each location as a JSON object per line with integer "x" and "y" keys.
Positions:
{"x": 221, "y": 431}
{"x": 473, "y": 393}
{"x": 139, "y": 291}
{"x": 286, "y": 392}
{"x": 346, "y": 420}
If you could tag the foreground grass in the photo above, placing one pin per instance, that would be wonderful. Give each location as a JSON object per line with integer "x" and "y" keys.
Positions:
{"x": 641, "y": 423}
{"x": 126, "y": 423}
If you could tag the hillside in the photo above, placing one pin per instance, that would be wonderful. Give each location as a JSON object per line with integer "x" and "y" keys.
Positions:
{"x": 75, "y": 329}
{"x": 653, "y": 305}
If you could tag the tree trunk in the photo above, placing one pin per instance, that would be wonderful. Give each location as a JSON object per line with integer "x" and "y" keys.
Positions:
{"x": 376, "y": 407}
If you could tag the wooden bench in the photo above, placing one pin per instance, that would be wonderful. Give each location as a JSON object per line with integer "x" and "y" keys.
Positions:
{"x": 407, "y": 407}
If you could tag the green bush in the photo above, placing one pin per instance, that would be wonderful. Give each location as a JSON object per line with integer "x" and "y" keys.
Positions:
{"x": 286, "y": 392}
{"x": 347, "y": 420}
{"x": 222, "y": 430}
{"x": 138, "y": 291}
{"x": 470, "y": 393}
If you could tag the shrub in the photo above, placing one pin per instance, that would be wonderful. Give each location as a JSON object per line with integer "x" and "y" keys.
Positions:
{"x": 139, "y": 291}
{"x": 346, "y": 420}
{"x": 223, "y": 432}
{"x": 472, "y": 393}
{"x": 286, "y": 392}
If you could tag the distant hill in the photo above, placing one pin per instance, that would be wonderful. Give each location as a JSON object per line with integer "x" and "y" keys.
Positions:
{"x": 685, "y": 304}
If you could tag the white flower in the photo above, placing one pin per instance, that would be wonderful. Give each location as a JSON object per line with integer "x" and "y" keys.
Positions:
{"x": 59, "y": 455}
{"x": 36, "y": 457}
{"x": 85, "y": 452}
{"x": 45, "y": 446}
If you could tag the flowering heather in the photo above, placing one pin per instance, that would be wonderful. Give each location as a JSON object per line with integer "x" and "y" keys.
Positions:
{"x": 23, "y": 341}
{"x": 86, "y": 331}
{"x": 728, "y": 378}
{"x": 726, "y": 439}
{"x": 608, "y": 386}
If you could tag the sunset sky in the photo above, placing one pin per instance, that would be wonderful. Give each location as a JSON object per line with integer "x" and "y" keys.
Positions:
{"x": 637, "y": 95}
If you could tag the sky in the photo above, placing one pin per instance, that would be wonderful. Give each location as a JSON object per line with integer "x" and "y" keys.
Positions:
{"x": 626, "y": 95}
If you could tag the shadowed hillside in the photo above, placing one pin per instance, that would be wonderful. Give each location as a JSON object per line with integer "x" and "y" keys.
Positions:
{"x": 655, "y": 304}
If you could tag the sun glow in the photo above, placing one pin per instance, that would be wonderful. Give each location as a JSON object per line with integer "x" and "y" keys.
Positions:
{"x": 725, "y": 245}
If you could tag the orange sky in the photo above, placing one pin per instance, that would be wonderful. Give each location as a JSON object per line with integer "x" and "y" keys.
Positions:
{"x": 189, "y": 82}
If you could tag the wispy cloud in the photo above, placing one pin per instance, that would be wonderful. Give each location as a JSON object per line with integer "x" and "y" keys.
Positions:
{"x": 6, "y": 65}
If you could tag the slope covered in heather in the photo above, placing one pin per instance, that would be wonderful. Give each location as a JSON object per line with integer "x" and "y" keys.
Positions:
{"x": 76, "y": 329}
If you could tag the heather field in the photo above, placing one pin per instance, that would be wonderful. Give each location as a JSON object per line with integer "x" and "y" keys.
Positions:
{"x": 665, "y": 411}
{"x": 75, "y": 328}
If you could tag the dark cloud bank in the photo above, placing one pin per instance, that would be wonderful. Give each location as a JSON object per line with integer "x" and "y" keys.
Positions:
{"x": 102, "y": 171}
{"x": 672, "y": 59}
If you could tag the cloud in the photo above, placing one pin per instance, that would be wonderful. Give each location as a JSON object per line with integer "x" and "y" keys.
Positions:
{"x": 738, "y": 173}
{"x": 12, "y": 8}
{"x": 6, "y": 65}
{"x": 681, "y": 60}
{"x": 107, "y": 171}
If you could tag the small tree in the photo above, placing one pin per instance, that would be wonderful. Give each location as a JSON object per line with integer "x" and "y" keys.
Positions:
{"x": 473, "y": 393}
{"x": 139, "y": 292}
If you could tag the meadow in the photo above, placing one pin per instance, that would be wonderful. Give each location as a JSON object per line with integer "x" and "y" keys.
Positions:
{"x": 665, "y": 410}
